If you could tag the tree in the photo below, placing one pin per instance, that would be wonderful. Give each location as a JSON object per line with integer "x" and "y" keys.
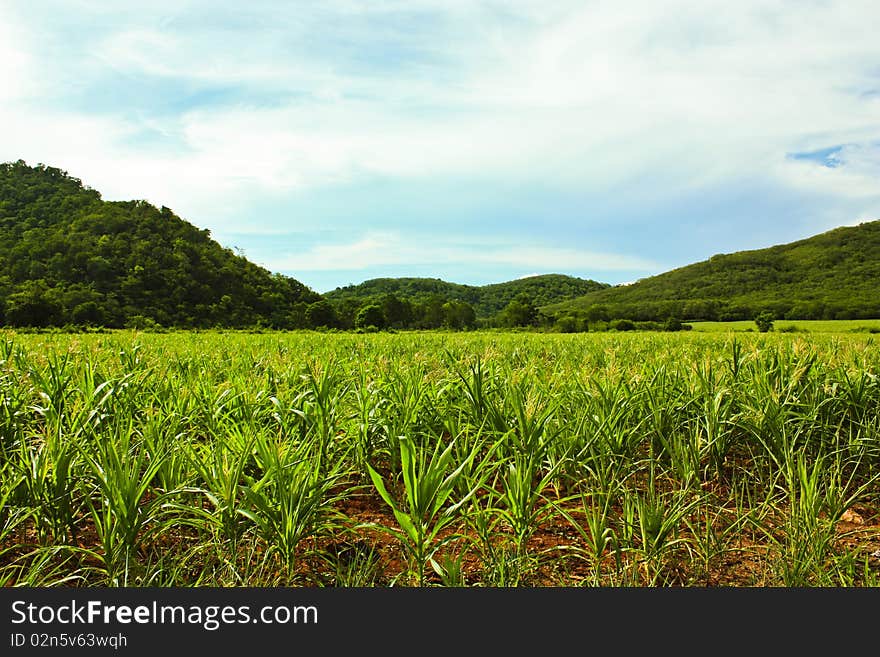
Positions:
{"x": 567, "y": 324}
{"x": 88, "y": 312}
{"x": 32, "y": 305}
{"x": 397, "y": 312}
{"x": 458, "y": 315}
{"x": 520, "y": 311}
{"x": 430, "y": 312}
{"x": 598, "y": 313}
{"x": 764, "y": 321}
{"x": 321, "y": 313}
{"x": 622, "y": 325}
{"x": 370, "y": 315}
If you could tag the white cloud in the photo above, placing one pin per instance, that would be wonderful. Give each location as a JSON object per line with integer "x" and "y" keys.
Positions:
{"x": 650, "y": 98}
{"x": 383, "y": 249}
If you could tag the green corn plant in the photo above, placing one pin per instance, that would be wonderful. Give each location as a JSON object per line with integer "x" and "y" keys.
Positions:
{"x": 367, "y": 421}
{"x": 714, "y": 430}
{"x": 596, "y": 531}
{"x": 610, "y": 409}
{"x": 44, "y": 566}
{"x": 429, "y": 483}
{"x": 478, "y": 391}
{"x": 14, "y": 403}
{"x": 682, "y": 453}
{"x": 450, "y": 569}
{"x": 486, "y": 530}
{"x": 712, "y": 533}
{"x": 124, "y": 504}
{"x": 319, "y": 405}
{"x": 353, "y": 563}
{"x": 53, "y": 383}
{"x": 525, "y": 502}
{"x": 49, "y": 459}
{"x": 219, "y": 467}
{"x": 529, "y": 429}
{"x": 12, "y": 516}
{"x": 404, "y": 400}
{"x": 663, "y": 402}
{"x": 659, "y": 517}
{"x": 293, "y": 499}
{"x": 46, "y": 475}
{"x": 164, "y": 442}
{"x": 817, "y": 496}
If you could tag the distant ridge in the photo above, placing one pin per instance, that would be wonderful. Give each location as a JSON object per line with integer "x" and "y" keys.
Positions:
{"x": 833, "y": 275}
{"x": 487, "y": 300}
{"x": 69, "y": 257}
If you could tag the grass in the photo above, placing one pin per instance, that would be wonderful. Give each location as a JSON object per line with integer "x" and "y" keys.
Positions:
{"x": 794, "y": 325}
{"x": 481, "y": 459}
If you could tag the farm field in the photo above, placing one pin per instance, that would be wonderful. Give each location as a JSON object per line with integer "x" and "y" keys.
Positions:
{"x": 794, "y": 325}
{"x": 467, "y": 459}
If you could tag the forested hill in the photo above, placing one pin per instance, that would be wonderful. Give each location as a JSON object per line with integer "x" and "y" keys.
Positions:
{"x": 486, "y": 300}
{"x": 67, "y": 256}
{"x": 834, "y": 275}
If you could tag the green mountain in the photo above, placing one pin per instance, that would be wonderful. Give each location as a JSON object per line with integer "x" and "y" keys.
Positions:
{"x": 67, "y": 256}
{"x": 834, "y": 275}
{"x": 486, "y": 300}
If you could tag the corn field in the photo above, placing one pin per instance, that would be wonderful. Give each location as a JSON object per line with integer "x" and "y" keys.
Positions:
{"x": 482, "y": 459}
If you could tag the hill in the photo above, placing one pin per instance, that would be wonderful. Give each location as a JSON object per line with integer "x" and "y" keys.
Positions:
{"x": 486, "y": 300}
{"x": 834, "y": 275}
{"x": 68, "y": 256}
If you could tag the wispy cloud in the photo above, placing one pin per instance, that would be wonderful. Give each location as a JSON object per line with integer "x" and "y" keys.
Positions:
{"x": 383, "y": 249}
{"x": 212, "y": 108}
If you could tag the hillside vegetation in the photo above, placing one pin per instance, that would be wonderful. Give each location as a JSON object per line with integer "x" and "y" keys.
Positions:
{"x": 67, "y": 256}
{"x": 423, "y": 295}
{"x": 834, "y": 275}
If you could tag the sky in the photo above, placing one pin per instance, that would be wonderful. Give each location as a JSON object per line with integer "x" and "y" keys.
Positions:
{"x": 337, "y": 141}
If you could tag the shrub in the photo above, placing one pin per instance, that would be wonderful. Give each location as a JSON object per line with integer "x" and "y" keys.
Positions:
{"x": 764, "y": 321}
{"x": 622, "y": 325}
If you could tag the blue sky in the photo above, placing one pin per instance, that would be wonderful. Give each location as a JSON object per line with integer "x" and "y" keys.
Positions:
{"x": 337, "y": 141}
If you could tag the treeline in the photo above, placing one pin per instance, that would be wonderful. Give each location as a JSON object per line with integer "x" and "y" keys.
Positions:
{"x": 719, "y": 310}
{"x": 433, "y": 311}
{"x": 436, "y": 312}
{"x": 487, "y": 301}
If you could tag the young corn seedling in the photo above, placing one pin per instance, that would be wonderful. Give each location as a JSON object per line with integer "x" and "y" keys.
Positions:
{"x": 127, "y": 505}
{"x": 220, "y": 475}
{"x": 319, "y": 406}
{"x": 450, "y": 569}
{"x": 429, "y": 482}
{"x": 355, "y": 565}
{"x": 367, "y": 428}
{"x": 818, "y": 495}
{"x": 292, "y": 500}
{"x": 45, "y": 486}
{"x": 525, "y": 503}
{"x": 610, "y": 409}
{"x": 50, "y": 460}
{"x": 659, "y": 517}
{"x": 11, "y": 515}
{"x": 711, "y": 534}
{"x": 478, "y": 390}
{"x": 500, "y": 564}
{"x": 596, "y": 531}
